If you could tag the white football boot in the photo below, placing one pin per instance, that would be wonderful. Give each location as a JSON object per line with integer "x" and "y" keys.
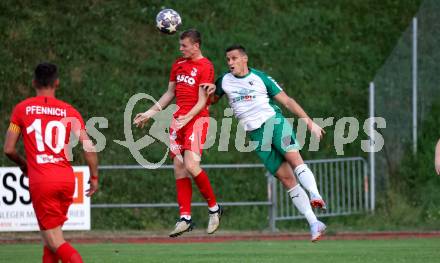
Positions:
{"x": 182, "y": 226}
{"x": 214, "y": 220}
{"x": 317, "y": 230}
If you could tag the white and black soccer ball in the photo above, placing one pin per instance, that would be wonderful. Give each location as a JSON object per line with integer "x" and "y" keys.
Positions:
{"x": 168, "y": 21}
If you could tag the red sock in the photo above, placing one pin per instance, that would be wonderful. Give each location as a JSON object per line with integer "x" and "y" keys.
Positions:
{"x": 184, "y": 195}
{"x": 49, "y": 256}
{"x": 205, "y": 188}
{"x": 68, "y": 254}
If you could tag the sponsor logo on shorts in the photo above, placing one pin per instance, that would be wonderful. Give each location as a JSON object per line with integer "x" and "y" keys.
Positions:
{"x": 175, "y": 147}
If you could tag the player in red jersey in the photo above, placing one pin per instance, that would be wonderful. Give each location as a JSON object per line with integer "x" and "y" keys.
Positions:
{"x": 188, "y": 79}
{"x": 45, "y": 123}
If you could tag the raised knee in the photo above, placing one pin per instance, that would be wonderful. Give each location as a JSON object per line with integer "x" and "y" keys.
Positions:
{"x": 192, "y": 168}
{"x": 52, "y": 245}
{"x": 53, "y": 242}
{"x": 287, "y": 180}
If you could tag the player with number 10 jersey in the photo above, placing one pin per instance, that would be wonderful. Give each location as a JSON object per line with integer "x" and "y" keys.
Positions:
{"x": 45, "y": 124}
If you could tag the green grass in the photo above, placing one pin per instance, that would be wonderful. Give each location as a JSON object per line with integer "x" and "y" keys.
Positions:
{"x": 387, "y": 251}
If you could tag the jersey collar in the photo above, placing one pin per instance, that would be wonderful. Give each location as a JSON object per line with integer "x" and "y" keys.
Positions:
{"x": 245, "y": 76}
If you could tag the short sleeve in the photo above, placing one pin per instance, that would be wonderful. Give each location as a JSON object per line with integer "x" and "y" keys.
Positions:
{"x": 74, "y": 121}
{"x": 16, "y": 117}
{"x": 218, "y": 87}
{"x": 80, "y": 123}
{"x": 207, "y": 75}
{"x": 271, "y": 85}
{"x": 173, "y": 72}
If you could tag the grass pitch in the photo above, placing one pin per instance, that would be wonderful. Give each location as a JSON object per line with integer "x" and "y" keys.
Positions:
{"x": 353, "y": 251}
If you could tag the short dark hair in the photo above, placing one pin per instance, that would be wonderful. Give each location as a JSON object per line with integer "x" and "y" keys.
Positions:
{"x": 236, "y": 47}
{"x": 45, "y": 74}
{"x": 192, "y": 34}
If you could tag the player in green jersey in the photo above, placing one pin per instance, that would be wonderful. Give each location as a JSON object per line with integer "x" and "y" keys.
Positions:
{"x": 252, "y": 95}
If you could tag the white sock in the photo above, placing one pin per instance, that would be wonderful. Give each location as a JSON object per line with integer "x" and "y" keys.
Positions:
{"x": 307, "y": 180}
{"x": 302, "y": 203}
{"x": 214, "y": 208}
{"x": 187, "y": 217}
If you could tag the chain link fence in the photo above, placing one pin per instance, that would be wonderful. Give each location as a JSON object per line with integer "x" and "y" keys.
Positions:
{"x": 405, "y": 88}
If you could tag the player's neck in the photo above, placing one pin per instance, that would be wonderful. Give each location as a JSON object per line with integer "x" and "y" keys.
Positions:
{"x": 196, "y": 56}
{"x": 46, "y": 92}
{"x": 244, "y": 72}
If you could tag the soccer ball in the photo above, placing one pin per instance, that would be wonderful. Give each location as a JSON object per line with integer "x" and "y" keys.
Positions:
{"x": 168, "y": 21}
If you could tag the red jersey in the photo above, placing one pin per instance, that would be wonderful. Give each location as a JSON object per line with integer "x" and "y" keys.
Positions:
{"x": 45, "y": 124}
{"x": 188, "y": 75}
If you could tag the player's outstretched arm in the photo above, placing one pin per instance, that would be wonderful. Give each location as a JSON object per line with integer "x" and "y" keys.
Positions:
{"x": 9, "y": 148}
{"x": 296, "y": 109}
{"x": 204, "y": 94}
{"x": 142, "y": 118}
{"x": 91, "y": 158}
{"x": 437, "y": 158}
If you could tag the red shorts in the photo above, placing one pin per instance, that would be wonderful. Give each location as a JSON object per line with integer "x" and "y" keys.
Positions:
{"x": 51, "y": 202}
{"x": 190, "y": 137}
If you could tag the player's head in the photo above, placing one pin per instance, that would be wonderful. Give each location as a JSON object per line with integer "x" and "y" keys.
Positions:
{"x": 45, "y": 76}
{"x": 190, "y": 43}
{"x": 237, "y": 59}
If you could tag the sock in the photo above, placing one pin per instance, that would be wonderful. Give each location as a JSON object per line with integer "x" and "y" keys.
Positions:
{"x": 213, "y": 208}
{"x": 49, "y": 256}
{"x": 184, "y": 196}
{"x": 302, "y": 203}
{"x": 68, "y": 254}
{"x": 187, "y": 217}
{"x": 307, "y": 180}
{"x": 205, "y": 188}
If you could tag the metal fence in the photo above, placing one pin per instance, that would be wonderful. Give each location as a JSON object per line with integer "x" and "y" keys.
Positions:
{"x": 404, "y": 90}
{"x": 343, "y": 182}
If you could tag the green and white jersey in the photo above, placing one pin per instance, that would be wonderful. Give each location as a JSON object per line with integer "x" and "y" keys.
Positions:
{"x": 250, "y": 97}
